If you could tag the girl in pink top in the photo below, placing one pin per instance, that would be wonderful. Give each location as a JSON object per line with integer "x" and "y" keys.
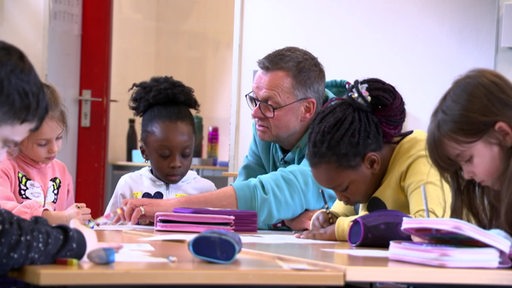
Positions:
{"x": 34, "y": 182}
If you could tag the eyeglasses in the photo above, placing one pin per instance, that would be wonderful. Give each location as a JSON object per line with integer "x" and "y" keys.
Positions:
{"x": 266, "y": 109}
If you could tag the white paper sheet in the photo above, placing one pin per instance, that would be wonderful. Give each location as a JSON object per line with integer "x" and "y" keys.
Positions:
{"x": 246, "y": 238}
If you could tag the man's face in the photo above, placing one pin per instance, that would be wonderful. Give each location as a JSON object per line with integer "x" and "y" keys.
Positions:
{"x": 11, "y": 135}
{"x": 287, "y": 126}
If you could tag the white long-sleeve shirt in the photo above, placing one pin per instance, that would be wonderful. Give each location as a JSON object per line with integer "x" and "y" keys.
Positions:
{"x": 142, "y": 183}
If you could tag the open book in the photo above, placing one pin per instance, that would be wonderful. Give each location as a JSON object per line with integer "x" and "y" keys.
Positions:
{"x": 451, "y": 242}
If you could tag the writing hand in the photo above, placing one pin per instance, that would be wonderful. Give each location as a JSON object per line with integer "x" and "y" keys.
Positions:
{"x": 79, "y": 211}
{"x": 327, "y": 233}
{"x": 322, "y": 219}
{"x": 76, "y": 211}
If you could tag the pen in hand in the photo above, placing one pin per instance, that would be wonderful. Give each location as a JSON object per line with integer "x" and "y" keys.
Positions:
{"x": 425, "y": 201}
{"x": 326, "y": 206}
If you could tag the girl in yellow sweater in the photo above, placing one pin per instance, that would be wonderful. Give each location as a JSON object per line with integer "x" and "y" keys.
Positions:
{"x": 358, "y": 149}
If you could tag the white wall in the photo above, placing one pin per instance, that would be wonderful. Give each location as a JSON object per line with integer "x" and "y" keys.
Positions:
{"x": 504, "y": 54}
{"x": 190, "y": 40}
{"x": 24, "y": 23}
{"x": 420, "y": 46}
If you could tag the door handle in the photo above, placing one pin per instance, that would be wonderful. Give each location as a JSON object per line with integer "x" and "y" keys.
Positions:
{"x": 85, "y": 115}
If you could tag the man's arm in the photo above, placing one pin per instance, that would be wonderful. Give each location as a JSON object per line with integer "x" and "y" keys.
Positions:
{"x": 281, "y": 195}
{"x": 221, "y": 198}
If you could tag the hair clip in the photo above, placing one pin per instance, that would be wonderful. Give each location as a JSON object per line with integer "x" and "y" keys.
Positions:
{"x": 358, "y": 92}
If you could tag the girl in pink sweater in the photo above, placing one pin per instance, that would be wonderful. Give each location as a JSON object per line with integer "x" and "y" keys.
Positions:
{"x": 34, "y": 182}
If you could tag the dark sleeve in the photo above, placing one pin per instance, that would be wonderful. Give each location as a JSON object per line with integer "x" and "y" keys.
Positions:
{"x": 24, "y": 242}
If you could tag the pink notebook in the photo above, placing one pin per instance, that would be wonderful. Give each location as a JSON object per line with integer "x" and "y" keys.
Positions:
{"x": 180, "y": 222}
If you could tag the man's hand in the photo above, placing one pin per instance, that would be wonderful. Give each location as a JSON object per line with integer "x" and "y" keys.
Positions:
{"x": 301, "y": 222}
{"x": 143, "y": 210}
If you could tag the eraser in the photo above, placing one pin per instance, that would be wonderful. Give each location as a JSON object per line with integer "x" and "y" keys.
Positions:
{"x": 102, "y": 256}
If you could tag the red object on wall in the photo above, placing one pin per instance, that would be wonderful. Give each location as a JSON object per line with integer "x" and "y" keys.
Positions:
{"x": 95, "y": 76}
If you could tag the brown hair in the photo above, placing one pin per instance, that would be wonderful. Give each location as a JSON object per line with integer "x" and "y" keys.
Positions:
{"x": 466, "y": 113}
{"x": 56, "y": 109}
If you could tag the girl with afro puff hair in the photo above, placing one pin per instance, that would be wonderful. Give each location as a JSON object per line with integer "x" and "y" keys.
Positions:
{"x": 167, "y": 143}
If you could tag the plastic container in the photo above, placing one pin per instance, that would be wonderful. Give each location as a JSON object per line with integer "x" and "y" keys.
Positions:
{"x": 131, "y": 139}
{"x": 213, "y": 144}
{"x": 198, "y": 146}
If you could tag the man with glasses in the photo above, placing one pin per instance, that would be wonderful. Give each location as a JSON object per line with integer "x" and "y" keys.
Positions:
{"x": 275, "y": 178}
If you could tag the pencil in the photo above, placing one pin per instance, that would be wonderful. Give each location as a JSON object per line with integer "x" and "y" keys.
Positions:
{"x": 425, "y": 201}
{"x": 326, "y": 206}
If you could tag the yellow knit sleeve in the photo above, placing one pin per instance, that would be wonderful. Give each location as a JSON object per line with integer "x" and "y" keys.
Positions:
{"x": 342, "y": 227}
{"x": 346, "y": 214}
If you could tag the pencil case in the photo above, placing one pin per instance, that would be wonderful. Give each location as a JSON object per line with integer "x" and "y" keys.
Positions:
{"x": 181, "y": 222}
{"x": 244, "y": 220}
{"x": 216, "y": 246}
{"x": 377, "y": 228}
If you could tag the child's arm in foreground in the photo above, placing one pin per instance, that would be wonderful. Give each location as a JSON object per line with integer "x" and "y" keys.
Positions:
{"x": 34, "y": 241}
{"x": 27, "y": 242}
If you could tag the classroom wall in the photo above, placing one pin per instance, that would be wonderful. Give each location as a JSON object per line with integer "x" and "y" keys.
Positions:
{"x": 190, "y": 40}
{"x": 420, "y": 46}
{"x": 49, "y": 33}
{"x": 24, "y": 24}
{"x": 503, "y": 54}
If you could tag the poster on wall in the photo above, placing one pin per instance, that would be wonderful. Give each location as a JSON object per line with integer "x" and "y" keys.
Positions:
{"x": 66, "y": 15}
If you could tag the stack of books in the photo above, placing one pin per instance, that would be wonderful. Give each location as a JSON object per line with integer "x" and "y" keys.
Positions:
{"x": 201, "y": 219}
{"x": 449, "y": 242}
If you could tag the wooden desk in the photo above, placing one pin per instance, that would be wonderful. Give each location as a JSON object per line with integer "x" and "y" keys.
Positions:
{"x": 375, "y": 269}
{"x": 250, "y": 268}
{"x": 256, "y": 265}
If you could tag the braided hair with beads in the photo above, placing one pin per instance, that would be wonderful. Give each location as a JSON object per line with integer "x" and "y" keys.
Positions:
{"x": 347, "y": 128}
